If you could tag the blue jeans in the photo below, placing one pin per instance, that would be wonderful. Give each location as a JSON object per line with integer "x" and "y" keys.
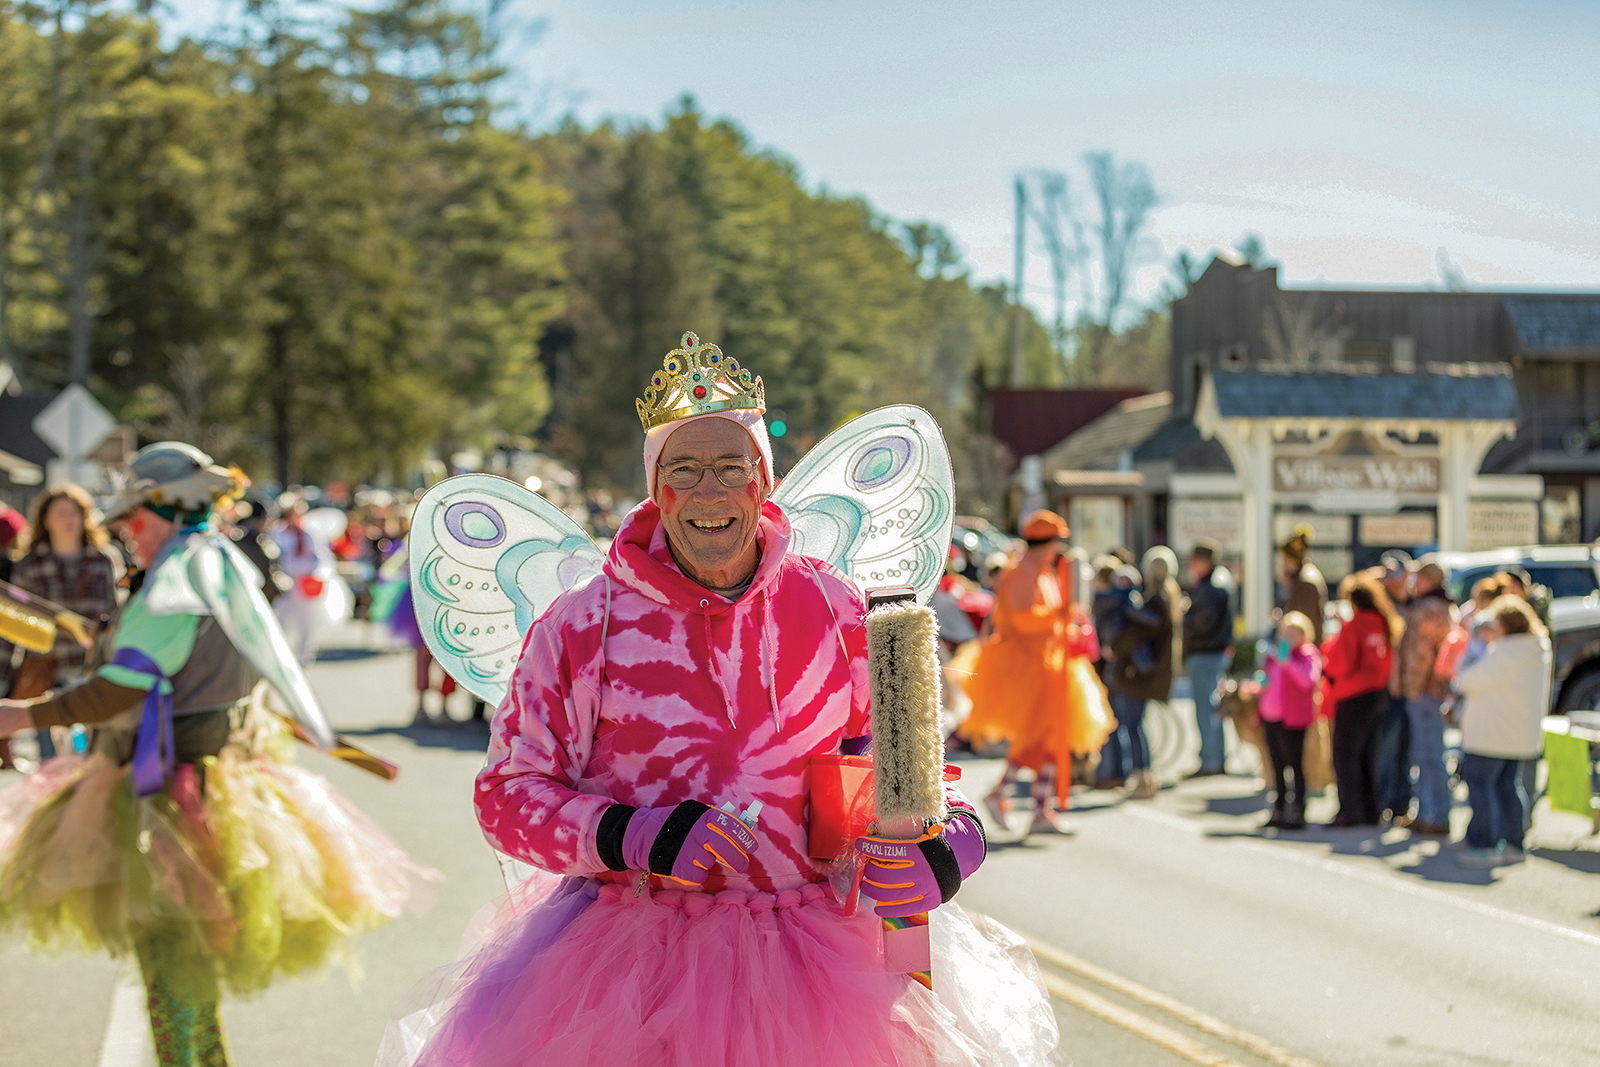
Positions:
{"x": 1528, "y": 775}
{"x": 1427, "y": 755}
{"x": 1126, "y": 750}
{"x": 1494, "y": 790}
{"x": 1391, "y": 760}
{"x": 1205, "y": 670}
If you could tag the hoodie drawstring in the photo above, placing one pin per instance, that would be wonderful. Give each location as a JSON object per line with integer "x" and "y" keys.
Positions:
{"x": 769, "y": 659}
{"x": 716, "y": 663}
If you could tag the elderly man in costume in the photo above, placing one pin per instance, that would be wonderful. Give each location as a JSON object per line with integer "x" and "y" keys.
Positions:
{"x": 1034, "y": 684}
{"x": 701, "y": 670}
{"x": 183, "y": 836}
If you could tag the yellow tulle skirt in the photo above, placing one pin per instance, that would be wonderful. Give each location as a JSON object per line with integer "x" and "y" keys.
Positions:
{"x": 1048, "y": 704}
{"x": 243, "y": 869}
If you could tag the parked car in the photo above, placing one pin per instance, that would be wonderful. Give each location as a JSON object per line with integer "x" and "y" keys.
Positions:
{"x": 1572, "y": 574}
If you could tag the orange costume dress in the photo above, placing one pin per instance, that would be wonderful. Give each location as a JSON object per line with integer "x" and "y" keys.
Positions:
{"x": 1034, "y": 683}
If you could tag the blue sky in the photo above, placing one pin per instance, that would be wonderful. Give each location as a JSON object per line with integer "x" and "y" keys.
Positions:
{"x": 1357, "y": 138}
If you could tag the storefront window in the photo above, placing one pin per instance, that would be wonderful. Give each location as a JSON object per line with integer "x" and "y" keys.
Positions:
{"x": 1561, "y": 515}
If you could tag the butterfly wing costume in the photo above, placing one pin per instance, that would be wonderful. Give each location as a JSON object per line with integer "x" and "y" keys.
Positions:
{"x": 637, "y": 694}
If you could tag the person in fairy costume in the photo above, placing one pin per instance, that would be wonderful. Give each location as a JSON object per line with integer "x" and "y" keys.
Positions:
{"x": 1034, "y": 683}
{"x": 703, "y": 666}
{"x": 184, "y": 836}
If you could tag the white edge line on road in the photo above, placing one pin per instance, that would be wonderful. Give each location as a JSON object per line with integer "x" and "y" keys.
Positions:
{"x": 127, "y": 1040}
{"x": 1390, "y": 880}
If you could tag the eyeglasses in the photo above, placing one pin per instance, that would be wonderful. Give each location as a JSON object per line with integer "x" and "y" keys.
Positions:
{"x": 732, "y": 473}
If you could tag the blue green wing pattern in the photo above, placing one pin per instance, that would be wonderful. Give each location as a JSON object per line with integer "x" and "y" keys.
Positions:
{"x": 488, "y": 556}
{"x": 876, "y": 499}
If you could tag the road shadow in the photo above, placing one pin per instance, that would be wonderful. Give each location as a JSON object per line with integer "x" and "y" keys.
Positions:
{"x": 1032, "y": 841}
{"x": 352, "y": 654}
{"x": 460, "y": 735}
{"x": 1236, "y": 805}
{"x": 1578, "y": 859}
{"x": 1442, "y": 867}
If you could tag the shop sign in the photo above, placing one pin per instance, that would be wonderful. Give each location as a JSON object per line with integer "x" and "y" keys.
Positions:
{"x": 1334, "y": 563}
{"x": 1404, "y": 530}
{"x": 1355, "y": 501}
{"x": 1356, "y": 474}
{"x": 1193, "y": 519}
{"x": 1097, "y": 522}
{"x": 1327, "y": 531}
{"x": 1501, "y": 524}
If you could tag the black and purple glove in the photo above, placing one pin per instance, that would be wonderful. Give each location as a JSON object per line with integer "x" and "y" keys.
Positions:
{"x": 681, "y": 842}
{"x": 907, "y": 877}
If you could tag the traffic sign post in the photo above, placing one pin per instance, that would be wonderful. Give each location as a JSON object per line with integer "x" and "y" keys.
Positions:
{"x": 74, "y": 424}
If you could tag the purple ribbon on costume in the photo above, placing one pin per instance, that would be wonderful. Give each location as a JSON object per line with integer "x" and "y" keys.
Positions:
{"x": 152, "y": 760}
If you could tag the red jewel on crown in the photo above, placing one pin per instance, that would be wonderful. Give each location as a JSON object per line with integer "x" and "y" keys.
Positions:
{"x": 699, "y": 392}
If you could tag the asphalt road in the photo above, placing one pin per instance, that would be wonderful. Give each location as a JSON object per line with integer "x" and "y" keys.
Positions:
{"x": 1324, "y": 948}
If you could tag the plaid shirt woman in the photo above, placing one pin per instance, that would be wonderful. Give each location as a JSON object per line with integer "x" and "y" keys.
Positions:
{"x": 85, "y": 582}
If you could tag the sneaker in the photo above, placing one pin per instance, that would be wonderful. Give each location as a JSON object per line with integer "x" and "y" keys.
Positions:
{"x": 1478, "y": 859}
{"x": 1426, "y": 829}
{"x": 1143, "y": 787}
{"x": 999, "y": 807}
{"x": 1512, "y": 854}
{"x": 1047, "y": 823}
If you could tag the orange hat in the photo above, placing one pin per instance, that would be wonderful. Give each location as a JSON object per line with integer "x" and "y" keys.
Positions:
{"x": 1044, "y": 525}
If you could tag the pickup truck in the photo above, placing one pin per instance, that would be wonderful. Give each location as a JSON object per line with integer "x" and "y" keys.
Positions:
{"x": 1572, "y": 574}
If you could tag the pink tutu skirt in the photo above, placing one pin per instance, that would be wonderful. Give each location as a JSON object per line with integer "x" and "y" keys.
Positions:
{"x": 578, "y": 972}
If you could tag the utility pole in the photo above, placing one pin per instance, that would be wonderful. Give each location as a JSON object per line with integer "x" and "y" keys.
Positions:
{"x": 5, "y": 332}
{"x": 1016, "y": 274}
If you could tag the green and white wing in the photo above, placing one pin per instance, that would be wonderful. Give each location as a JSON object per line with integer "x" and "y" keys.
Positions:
{"x": 229, "y": 584}
{"x": 488, "y": 556}
{"x": 876, "y": 499}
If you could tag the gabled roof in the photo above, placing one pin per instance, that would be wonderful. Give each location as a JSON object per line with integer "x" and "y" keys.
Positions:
{"x": 1101, "y": 444}
{"x": 1555, "y": 324}
{"x": 1031, "y": 421}
{"x": 1274, "y": 394}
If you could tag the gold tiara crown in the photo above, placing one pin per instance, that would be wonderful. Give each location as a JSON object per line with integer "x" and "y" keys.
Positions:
{"x": 697, "y": 379}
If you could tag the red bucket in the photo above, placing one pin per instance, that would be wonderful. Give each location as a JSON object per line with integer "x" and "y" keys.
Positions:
{"x": 842, "y": 804}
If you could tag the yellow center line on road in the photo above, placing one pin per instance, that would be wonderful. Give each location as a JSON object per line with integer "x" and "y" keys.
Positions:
{"x": 1257, "y": 1046}
{"x": 1136, "y": 1024}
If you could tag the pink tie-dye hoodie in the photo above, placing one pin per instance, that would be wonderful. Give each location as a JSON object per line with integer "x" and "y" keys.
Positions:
{"x": 693, "y": 697}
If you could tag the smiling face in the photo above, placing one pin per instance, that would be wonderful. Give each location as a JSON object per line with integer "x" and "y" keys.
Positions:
{"x": 711, "y": 529}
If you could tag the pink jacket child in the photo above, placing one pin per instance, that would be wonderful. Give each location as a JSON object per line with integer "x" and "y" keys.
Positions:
{"x": 1289, "y": 695}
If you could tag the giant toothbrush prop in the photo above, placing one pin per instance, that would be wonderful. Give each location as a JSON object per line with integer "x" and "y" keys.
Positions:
{"x": 908, "y": 751}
